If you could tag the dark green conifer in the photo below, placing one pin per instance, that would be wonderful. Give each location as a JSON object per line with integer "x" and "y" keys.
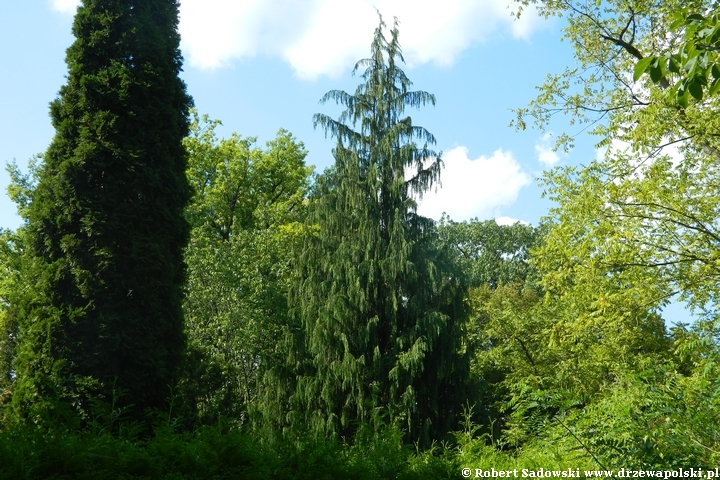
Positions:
{"x": 380, "y": 305}
{"x": 105, "y": 226}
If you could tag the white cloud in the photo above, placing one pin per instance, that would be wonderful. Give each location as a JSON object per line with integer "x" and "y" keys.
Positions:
{"x": 65, "y": 6}
{"x": 474, "y": 187}
{"x": 507, "y": 221}
{"x": 326, "y": 37}
{"x": 600, "y": 153}
{"x": 546, "y": 155}
{"x": 622, "y": 149}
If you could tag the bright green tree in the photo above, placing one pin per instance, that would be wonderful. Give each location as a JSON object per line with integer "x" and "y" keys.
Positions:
{"x": 380, "y": 303}
{"x": 614, "y": 41}
{"x": 15, "y": 280}
{"x": 693, "y": 70}
{"x": 246, "y": 215}
{"x": 645, "y": 213}
{"x": 635, "y": 228}
{"x": 105, "y": 223}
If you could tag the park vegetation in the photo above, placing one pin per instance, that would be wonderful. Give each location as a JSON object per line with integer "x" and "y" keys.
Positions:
{"x": 178, "y": 305}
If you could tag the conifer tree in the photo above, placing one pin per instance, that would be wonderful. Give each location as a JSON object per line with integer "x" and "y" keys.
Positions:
{"x": 380, "y": 305}
{"x": 105, "y": 225}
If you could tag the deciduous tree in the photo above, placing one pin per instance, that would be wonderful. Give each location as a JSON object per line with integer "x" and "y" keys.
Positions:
{"x": 634, "y": 228}
{"x": 245, "y": 216}
{"x": 492, "y": 254}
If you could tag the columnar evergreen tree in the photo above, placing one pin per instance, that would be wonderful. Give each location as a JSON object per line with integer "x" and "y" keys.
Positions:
{"x": 105, "y": 225}
{"x": 381, "y": 307}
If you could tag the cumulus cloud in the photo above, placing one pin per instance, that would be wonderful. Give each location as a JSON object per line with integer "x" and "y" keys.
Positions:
{"x": 474, "y": 187}
{"x": 507, "y": 221}
{"x": 65, "y": 6}
{"x": 544, "y": 150}
{"x": 325, "y": 37}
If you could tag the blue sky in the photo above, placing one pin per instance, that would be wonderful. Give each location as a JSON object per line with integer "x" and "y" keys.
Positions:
{"x": 259, "y": 65}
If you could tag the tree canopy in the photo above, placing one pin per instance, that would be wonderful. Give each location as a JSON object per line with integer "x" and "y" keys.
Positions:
{"x": 245, "y": 216}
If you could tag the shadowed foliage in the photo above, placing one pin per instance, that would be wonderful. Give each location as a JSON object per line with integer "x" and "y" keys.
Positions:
{"x": 105, "y": 225}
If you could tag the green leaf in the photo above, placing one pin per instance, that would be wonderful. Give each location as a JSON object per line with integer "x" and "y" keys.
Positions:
{"x": 641, "y": 67}
{"x": 715, "y": 70}
{"x": 674, "y": 64}
{"x": 703, "y": 61}
{"x": 714, "y": 87}
{"x": 678, "y": 19}
{"x": 656, "y": 74}
{"x": 696, "y": 90}
{"x": 715, "y": 36}
{"x": 705, "y": 32}
{"x": 682, "y": 97}
{"x": 677, "y": 23}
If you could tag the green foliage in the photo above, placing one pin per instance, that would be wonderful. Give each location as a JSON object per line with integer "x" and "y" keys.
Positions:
{"x": 342, "y": 312}
{"x": 613, "y": 257}
{"x": 631, "y": 232}
{"x": 16, "y": 283}
{"x": 655, "y": 419}
{"x": 501, "y": 336}
{"x": 657, "y": 415}
{"x": 649, "y": 229}
{"x": 245, "y": 217}
{"x": 10, "y": 279}
{"x": 492, "y": 254}
{"x": 693, "y": 70}
{"x": 509, "y": 344}
{"x": 105, "y": 231}
{"x": 613, "y": 42}
{"x": 212, "y": 452}
{"x": 381, "y": 307}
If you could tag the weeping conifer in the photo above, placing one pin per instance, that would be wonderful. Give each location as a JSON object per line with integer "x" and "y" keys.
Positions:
{"x": 381, "y": 308}
{"x": 105, "y": 226}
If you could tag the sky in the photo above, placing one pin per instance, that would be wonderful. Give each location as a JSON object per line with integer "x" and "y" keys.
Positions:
{"x": 262, "y": 65}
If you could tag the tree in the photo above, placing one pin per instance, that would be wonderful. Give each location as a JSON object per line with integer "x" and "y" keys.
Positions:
{"x": 694, "y": 69}
{"x": 9, "y": 288}
{"x": 649, "y": 205}
{"x": 14, "y": 284}
{"x": 505, "y": 333}
{"x": 245, "y": 216}
{"x": 492, "y": 254}
{"x": 633, "y": 230}
{"x": 610, "y": 38}
{"x": 378, "y": 298}
{"x": 105, "y": 223}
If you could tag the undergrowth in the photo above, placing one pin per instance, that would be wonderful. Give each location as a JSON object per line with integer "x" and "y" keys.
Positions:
{"x": 218, "y": 452}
